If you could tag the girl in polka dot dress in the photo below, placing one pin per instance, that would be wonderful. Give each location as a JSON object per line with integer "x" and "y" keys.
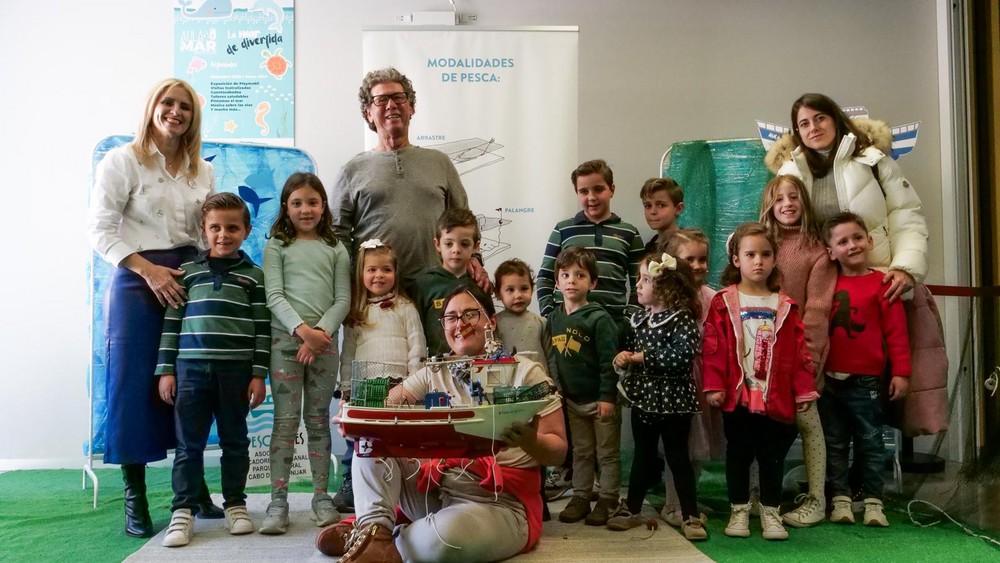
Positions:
{"x": 658, "y": 357}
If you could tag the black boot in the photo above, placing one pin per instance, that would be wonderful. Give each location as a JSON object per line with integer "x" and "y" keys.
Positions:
{"x": 206, "y": 509}
{"x": 138, "y": 524}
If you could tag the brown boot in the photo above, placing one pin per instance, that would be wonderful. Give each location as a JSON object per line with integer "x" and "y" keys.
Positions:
{"x": 376, "y": 545}
{"x": 332, "y": 540}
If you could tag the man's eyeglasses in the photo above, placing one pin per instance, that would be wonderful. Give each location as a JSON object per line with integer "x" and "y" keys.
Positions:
{"x": 468, "y": 316}
{"x": 397, "y": 98}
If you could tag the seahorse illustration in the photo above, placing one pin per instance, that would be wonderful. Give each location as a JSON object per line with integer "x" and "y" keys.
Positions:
{"x": 263, "y": 109}
{"x": 840, "y": 316}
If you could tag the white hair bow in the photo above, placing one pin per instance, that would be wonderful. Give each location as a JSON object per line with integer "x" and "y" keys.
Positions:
{"x": 372, "y": 244}
{"x": 666, "y": 262}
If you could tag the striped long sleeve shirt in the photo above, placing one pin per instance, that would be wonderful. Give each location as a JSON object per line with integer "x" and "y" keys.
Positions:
{"x": 225, "y": 318}
{"x": 618, "y": 249}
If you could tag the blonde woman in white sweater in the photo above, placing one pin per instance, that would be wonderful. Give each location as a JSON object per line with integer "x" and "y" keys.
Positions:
{"x": 383, "y": 328}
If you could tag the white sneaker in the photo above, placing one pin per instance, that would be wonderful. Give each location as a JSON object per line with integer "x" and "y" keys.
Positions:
{"x": 842, "y": 512}
{"x": 874, "y": 515}
{"x": 238, "y": 521}
{"x": 180, "y": 529}
{"x": 770, "y": 523}
{"x": 276, "y": 518}
{"x": 739, "y": 521}
{"x": 812, "y": 511}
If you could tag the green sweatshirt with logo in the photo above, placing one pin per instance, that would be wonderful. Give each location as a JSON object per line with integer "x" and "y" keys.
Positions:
{"x": 428, "y": 292}
{"x": 582, "y": 349}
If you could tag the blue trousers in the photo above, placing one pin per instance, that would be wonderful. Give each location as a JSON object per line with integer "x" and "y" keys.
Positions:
{"x": 851, "y": 409}
{"x": 208, "y": 389}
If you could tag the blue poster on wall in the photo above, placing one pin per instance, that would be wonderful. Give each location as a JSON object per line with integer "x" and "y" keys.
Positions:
{"x": 239, "y": 56}
{"x": 256, "y": 173}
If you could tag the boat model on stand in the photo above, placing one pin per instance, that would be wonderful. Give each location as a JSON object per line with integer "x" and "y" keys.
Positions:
{"x": 442, "y": 426}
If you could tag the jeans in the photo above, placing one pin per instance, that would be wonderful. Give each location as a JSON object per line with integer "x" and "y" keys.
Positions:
{"x": 207, "y": 389}
{"x": 852, "y": 409}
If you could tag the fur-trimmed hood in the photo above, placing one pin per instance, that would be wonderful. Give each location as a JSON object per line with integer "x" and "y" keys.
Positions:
{"x": 782, "y": 149}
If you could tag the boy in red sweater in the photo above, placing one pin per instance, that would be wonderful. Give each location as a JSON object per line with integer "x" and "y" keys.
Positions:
{"x": 866, "y": 332}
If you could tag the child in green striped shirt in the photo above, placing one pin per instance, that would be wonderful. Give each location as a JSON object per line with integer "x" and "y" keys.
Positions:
{"x": 212, "y": 363}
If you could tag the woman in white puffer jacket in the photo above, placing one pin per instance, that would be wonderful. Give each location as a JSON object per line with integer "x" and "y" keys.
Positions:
{"x": 836, "y": 158}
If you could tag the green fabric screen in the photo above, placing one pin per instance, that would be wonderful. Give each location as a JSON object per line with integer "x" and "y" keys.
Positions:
{"x": 723, "y": 182}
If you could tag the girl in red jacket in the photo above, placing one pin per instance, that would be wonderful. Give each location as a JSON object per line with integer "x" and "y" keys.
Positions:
{"x": 757, "y": 369}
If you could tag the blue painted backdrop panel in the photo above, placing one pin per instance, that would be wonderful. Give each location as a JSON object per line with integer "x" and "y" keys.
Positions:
{"x": 257, "y": 173}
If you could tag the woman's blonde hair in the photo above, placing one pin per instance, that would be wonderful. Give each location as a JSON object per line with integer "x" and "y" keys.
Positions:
{"x": 190, "y": 143}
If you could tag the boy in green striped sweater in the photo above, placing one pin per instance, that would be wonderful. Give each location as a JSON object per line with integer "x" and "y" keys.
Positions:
{"x": 615, "y": 243}
{"x": 212, "y": 363}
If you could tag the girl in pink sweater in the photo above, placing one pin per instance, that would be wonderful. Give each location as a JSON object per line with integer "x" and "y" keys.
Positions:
{"x": 808, "y": 277}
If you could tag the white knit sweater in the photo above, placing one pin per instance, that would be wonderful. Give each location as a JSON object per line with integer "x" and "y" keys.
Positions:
{"x": 393, "y": 336}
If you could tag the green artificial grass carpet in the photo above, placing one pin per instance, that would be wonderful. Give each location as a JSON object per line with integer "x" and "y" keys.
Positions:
{"x": 45, "y": 516}
{"x": 831, "y": 543}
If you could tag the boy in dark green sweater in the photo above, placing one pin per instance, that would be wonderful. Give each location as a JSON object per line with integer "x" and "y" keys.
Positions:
{"x": 582, "y": 348}
{"x": 456, "y": 242}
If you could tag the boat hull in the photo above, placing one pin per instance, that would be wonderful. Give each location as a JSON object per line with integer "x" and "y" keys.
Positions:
{"x": 435, "y": 432}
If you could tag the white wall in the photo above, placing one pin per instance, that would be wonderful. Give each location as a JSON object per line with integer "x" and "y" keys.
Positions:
{"x": 652, "y": 72}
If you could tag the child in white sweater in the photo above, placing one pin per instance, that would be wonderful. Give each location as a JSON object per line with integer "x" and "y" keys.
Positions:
{"x": 383, "y": 329}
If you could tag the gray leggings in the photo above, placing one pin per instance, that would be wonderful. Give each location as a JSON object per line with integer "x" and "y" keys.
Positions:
{"x": 459, "y": 522}
{"x": 291, "y": 382}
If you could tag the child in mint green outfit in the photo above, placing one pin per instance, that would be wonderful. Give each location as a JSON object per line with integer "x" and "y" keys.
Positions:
{"x": 308, "y": 278}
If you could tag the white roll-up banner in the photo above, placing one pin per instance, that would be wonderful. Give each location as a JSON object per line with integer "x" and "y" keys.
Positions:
{"x": 502, "y": 103}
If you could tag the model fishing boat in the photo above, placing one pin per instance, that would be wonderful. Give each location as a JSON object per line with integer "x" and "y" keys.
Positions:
{"x": 442, "y": 426}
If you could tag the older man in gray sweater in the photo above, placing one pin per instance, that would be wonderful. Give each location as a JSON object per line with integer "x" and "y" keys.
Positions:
{"x": 397, "y": 191}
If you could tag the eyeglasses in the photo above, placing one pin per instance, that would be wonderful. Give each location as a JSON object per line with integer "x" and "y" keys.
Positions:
{"x": 397, "y": 98}
{"x": 468, "y": 316}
